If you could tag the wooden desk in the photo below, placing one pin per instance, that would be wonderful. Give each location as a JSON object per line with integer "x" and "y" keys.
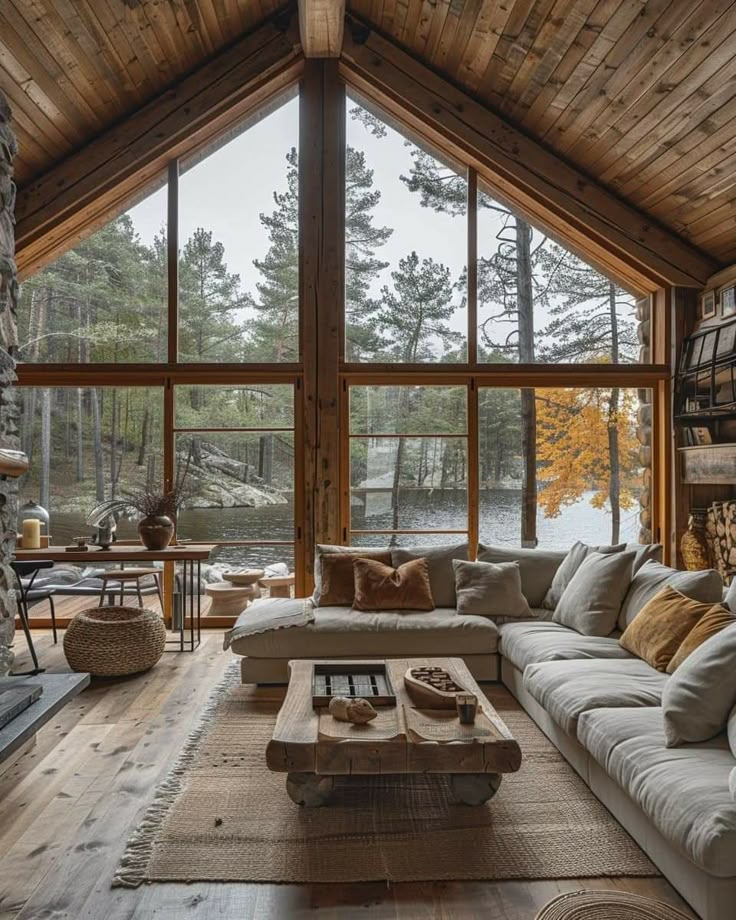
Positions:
{"x": 189, "y": 555}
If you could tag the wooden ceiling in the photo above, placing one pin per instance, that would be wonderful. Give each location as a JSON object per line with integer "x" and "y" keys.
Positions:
{"x": 640, "y": 94}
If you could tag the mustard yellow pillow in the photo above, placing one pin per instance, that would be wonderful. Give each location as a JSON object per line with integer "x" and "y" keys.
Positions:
{"x": 712, "y": 622}
{"x": 661, "y": 626}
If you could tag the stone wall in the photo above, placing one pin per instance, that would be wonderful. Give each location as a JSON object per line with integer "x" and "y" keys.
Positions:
{"x": 8, "y": 411}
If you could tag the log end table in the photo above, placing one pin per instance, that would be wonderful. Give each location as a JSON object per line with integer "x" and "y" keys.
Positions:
{"x": 312, "y": 748}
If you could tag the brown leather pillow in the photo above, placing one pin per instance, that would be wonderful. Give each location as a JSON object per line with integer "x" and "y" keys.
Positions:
{"x": 660, "y": 627}
{"x": 382, "y": 587}
{"x": 338, "y": 581}
{"x": 712, "y": 622}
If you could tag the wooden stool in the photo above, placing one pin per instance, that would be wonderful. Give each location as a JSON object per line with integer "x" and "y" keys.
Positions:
{"x": 229, "y": 600}
{"x": 278, "y": 585}
{"x": 245, "y": 577}
{"x": 125, "y": 575}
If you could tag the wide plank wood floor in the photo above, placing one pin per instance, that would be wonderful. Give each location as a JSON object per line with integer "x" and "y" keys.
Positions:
{"x": 68, "y": 805}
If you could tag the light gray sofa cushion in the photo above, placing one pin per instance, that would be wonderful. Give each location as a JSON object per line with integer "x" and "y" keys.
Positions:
{"x": 439, "y": 561}
{"x": 537, "y": 567}
{"x": 526, "y": 643}
{"x": 592, "y": 600}
{"x": 705, "y": 586}
{"x": 702, "y": 691}
{"x": 729, "y": 597}
{"x": 488, "y": 589}
{"x": 731, "y": 730}
{"x": 339, "y": 632}
{"x": 566, "y": 689}
{"x": 577, "y": 553}
{"x": 684, "y": 791}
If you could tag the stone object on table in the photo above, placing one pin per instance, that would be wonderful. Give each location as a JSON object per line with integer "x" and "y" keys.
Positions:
{"x": 278, "y": 585}
{"x": 229, "y": 600}
{"x": 244, "y": 577}
{"x": 358, "y": 711}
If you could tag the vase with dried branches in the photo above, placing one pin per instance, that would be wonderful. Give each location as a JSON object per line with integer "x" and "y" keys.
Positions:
{"x": 155, "y": 509}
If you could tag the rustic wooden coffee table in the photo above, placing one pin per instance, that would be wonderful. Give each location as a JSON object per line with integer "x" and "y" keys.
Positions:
{"x": 312, "y": 747}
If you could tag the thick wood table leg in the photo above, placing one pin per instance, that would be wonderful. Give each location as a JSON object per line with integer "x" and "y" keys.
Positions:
{"x": 474, "y": 788}
{"x": 308, "y": 789}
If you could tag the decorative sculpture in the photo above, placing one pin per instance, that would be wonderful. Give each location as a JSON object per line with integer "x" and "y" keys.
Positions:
{"x": 358, "y": 711}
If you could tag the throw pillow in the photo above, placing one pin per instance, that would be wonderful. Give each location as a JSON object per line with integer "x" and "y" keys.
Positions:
{"x": 731, "y": 731}
{"x": 705, "y": 586}
{"x": 712, "y": 622}
{"x": 698, "y": 698}
{"x": 659, "y": 629}
{"x": 537, "y": 567}
{"x": 441, "y": 573}
{"x": 570, "y": 564}
{"x": 338, "y": 581}
{"x": 324, "y": 549}
{"x": 382, "y": 587}
{"x": 591, "y": 602}
{"x": 487, "y": 589}
{"x": 729, "y": 600}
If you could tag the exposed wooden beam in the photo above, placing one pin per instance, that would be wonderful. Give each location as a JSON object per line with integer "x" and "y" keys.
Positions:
{"x": 524, "y": 174}
{"x": 321, "y": 27}
{"x": 79, "y": 193}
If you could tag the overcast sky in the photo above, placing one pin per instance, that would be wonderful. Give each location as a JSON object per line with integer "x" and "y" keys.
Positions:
{"x": 228, "y": 191}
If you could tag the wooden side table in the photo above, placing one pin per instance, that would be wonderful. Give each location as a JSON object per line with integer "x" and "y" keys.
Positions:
{"x": 278, "y": 585}
{"x": 229, "y": 600}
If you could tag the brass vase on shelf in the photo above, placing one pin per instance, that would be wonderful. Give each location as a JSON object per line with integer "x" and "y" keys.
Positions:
{"x": 694, "y": 543}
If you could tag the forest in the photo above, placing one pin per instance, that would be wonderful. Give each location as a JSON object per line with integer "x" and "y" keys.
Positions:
{"x": 106, "y": 299}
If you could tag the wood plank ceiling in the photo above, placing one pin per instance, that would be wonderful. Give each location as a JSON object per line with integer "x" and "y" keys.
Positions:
{"x": 640, "y": 94}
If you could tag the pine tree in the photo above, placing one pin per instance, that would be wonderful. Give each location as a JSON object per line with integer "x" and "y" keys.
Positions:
{"x": 274, "y": 329}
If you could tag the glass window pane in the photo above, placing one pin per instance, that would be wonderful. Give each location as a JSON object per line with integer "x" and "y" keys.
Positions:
{"x": 406, "y": 247}
{"x": 238, "y": 233}
{"x": 105, "y": 300}
{"x": 235, "y": 558}
{"x": 590, "y": 451}
{"x": 407, "y": 539}
{"x": 241, "y": 485}
{"x": 398, "y": 483}
{"x": 408, "y": 410}
{"x": 248, "y": 406}
{"x": 538, "y": 302}
{"x": 88, "y": 445}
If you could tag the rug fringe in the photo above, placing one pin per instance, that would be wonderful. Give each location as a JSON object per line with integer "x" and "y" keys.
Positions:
{"x": 131, "y": 871}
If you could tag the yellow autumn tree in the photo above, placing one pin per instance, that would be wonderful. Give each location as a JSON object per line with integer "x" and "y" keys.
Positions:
{"x": 586, "y": 441}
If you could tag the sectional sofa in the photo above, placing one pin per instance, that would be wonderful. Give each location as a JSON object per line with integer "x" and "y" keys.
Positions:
{"x": 598, "y": 704}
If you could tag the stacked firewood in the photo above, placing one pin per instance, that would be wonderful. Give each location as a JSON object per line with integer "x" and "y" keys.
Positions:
{"x": 720, "y": 529}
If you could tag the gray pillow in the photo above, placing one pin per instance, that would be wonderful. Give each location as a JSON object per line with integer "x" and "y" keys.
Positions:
{"x": 705, "y": 586}
{"x": 570, "y": 564}
{"x": 488, "y": 589}
{"x": 439, "y": 561}
{"x": 698, "y": 698}
{"x": 730, "y": 599}
{"x": 591, "y": 602}
{"x": 731, "y": 729}
{"x": 644, "y": 552}
{"x": 323, "y": 548}
{"x": 537, "y": 567}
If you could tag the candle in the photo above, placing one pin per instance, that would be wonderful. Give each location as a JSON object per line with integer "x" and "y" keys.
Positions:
{"x": 31, "y": 534}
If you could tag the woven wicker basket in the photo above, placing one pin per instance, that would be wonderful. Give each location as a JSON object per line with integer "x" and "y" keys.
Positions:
{"x": 114, "y": 641}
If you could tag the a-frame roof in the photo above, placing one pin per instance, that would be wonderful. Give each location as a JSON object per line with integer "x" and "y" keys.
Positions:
{"x": 640, "y": 96}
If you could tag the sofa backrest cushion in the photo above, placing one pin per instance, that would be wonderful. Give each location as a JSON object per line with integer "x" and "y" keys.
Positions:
{"x": 697, "y": 700}
{"x": 490, "y": 589}
{"x": 536, "y": 566}
{"x": 439, "y": 562}
{"x": 381, "y": 553}
{"x": 591, "y": 602}
{"x": 705, "y": 586}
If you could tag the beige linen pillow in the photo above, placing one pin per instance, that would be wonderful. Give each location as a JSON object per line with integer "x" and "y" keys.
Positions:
{"x": 382, "y": 587}
{"x": 590, "y": 604}
{"x": 486, "y": 589}
{"x": 570, "y": 564}
{"x": 661, "y": 626}
{"x": 698, "y": 698}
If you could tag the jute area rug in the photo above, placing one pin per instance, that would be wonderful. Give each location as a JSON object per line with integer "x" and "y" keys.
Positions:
{"x": 223, "y": 816}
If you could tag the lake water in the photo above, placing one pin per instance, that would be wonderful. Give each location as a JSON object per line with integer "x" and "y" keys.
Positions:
{"x": 500, "y": 517}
